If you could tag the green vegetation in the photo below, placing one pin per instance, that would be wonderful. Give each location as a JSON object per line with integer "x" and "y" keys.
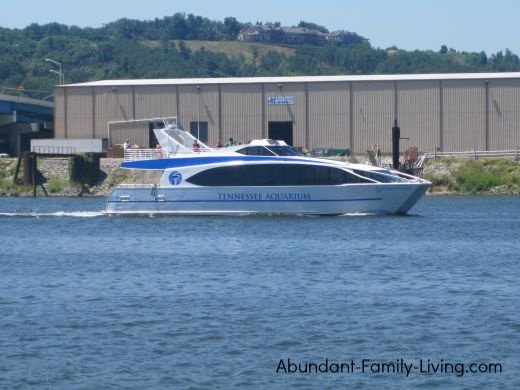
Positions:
{"x": 248, "y": 51}
{"x": 439, "y": 180}
{"x": 312, "y": 26}
{"x": 5, "y": 184}
{"x": 494, "y": 176}
{"x": 84, "y": 169}
{"x": 8, "y": 188}
{"x": 116, "y": 177}
{"x": 55, "y": 185}
{"x": 476, "y": 177}
{"x": 191, "y": 46}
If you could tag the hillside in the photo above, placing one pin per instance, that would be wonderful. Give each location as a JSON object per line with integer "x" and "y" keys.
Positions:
{"x": 249, "y": 51}
{"x": 191, "y": 46}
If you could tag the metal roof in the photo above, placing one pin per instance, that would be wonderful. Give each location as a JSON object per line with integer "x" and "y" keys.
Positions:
{"x": 300, "y": 79}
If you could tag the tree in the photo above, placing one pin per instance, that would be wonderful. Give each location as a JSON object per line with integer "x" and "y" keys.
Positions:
{"x": 312, "y": 26}
{"x": 177, "y": 27}
{"x": 105, "y": 52}
{"x": 184, "y": 51}
{"x": 232, "y": 28}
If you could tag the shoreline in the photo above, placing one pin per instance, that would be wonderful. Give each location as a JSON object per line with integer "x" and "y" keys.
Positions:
{"x": 449, "y": 176}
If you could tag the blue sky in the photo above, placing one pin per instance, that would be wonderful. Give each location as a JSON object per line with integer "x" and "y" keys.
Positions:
{"x": 465, "y": 25}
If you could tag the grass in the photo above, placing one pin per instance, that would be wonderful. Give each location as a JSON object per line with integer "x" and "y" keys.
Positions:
{"x": 439, "y": 180}
{"x": 8, "y": 188}
{"x": 116, "y": 177}
{"x": 233, "y": 49}
{"x": 486, "y": 176}
{"x": 55, "y": 185}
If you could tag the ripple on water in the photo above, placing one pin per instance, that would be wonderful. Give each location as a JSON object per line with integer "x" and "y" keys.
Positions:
{"x": 89, "y": 301}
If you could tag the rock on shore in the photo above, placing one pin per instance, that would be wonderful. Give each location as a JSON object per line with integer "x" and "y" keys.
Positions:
{"x": 55, "y": 172}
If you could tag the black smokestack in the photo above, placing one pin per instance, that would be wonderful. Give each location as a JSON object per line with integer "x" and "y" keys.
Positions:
{"x": 396, "y": 135}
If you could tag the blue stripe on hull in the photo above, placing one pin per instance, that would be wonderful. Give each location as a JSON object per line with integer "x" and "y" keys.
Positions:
{"x": 180, "y": 162}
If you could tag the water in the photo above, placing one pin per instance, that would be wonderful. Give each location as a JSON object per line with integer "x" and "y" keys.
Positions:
{"x": 89, "y": 301}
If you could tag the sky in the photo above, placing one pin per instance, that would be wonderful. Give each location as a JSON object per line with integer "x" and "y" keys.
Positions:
{"x": 464, "y": 25}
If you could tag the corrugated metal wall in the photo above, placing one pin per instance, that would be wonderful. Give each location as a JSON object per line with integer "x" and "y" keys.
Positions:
{"x": 504, "y": 114}
{"x": 324, "y": 114}
{"x": 294, "y": 113}
{"x": 199, "y": 105}
{"x": 241, "y": 110}
{"x": 59, "y": 113}
{"x": 111, "y": 104}
{"x": 418, "y": 113}
{"x": 155, "y": 101}
{"x": 136, "y": 133}
{"x": 464, "y": 118}
{"x": 329, "y": 114}
{"x": 79, "y": 113}
{"x": 373, "y": 113}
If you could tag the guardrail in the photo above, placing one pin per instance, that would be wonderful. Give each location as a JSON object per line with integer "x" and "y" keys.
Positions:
{"x": 476, "y": 154}
{"x": 54, "y": 149}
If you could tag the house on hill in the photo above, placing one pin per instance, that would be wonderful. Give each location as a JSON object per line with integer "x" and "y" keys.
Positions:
{"x": 273, "y": 33}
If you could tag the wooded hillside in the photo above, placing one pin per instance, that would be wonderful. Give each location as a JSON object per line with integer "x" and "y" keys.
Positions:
{"x": 192, "y": 46}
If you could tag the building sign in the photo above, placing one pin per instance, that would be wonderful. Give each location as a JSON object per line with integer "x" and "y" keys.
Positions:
{"x": 274, "y": 100}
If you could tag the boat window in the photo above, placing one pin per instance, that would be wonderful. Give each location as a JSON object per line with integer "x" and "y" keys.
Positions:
{"x": 379, "y": 177}
{"x": 284, "y": 151}
{"x": 255, "y": 151}
{"x": 274, "y": 175}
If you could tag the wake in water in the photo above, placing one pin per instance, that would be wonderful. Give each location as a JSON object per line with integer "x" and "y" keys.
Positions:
{"x": 91, "y": 214}
{"x": 37, "y": 214}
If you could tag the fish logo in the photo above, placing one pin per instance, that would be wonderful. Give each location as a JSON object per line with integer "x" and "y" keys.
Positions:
{"x": 175, "y": 178}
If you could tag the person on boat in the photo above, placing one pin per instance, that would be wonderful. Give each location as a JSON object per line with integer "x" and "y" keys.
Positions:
{"x": 158, "y": 151}
{"x": 126, "y": 145}
{"x": 196, "y": 146}
{"x": 218, "y": 145}
{"x": 229, "y": 142}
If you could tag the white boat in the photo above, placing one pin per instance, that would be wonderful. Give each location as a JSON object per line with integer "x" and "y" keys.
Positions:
{"x": 263, "y": 177}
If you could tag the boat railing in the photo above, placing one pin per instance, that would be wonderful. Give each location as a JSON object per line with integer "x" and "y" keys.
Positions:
{"x": 156, "y": 154}
{"x": 142, "y": 154}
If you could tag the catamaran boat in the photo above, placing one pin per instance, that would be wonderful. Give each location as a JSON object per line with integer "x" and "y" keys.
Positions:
{"x": 263, "y": 177}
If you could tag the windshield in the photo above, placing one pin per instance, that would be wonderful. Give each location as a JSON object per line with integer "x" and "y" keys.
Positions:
{"x": 284, "y": 150}
{"x": 255, "y": 151}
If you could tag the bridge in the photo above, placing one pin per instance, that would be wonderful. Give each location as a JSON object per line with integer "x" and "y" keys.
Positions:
{"x": 23, "y": 119}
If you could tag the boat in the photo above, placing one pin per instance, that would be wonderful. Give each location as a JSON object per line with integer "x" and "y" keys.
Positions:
{"x": 263, "y": 177}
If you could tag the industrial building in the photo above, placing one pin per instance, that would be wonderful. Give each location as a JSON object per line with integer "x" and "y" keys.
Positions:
{"x": 446, "y": 112}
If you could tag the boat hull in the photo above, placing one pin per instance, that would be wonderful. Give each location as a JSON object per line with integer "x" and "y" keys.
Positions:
{"x": 395, "y": 198}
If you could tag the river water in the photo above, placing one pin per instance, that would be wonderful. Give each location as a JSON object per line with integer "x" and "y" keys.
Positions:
{"x": 89, "y": 301}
